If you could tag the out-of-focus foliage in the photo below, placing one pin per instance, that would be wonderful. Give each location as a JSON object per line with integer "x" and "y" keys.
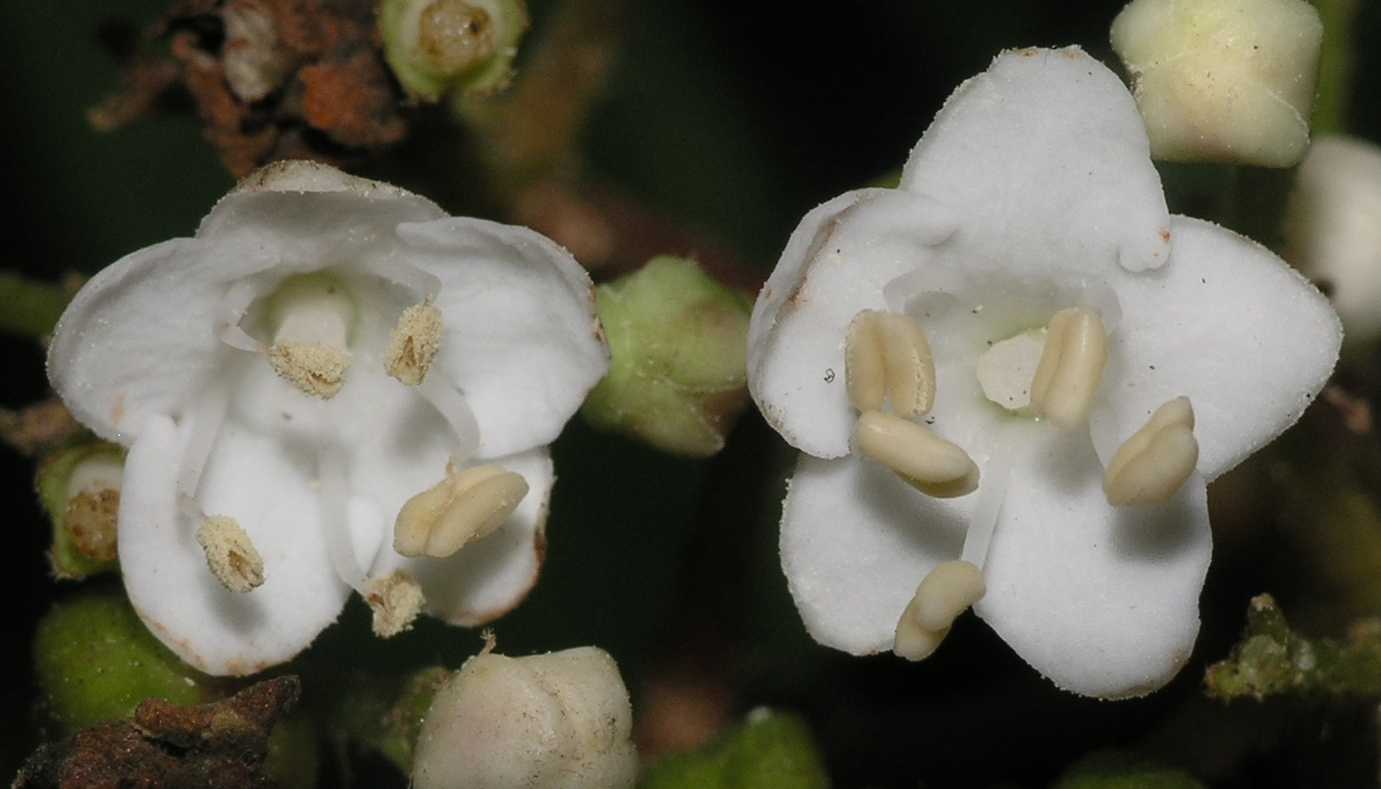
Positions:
{"x": 769, "y": 750}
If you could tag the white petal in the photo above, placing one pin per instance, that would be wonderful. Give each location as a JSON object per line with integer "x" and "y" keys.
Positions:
{"x": 522, "y": 342}
{"x": 836, "y": 264}
{"x": 252, "y": 480}
{"x": 1046, "y": 158}
{"x": 855, "y": 542}
{"x": 1230, "y": 326}
{"x": 485, "y": 579}
{"x": 141, "y": 336}
{"x": 1103, "y": 601}
{"x": 302, "y": 199}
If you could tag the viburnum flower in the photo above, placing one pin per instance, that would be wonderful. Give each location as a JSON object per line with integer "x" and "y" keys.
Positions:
{"x": 1011, "y": 380}
{"x": 331, "y": 386}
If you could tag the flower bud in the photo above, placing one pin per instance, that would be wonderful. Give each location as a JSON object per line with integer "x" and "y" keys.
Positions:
{"x": 96, "y": 662}
{"x": 678, "y": 374}
{"x": 562, "y": 719}
{"x": 436, "y": 47}
{"x": 79, "y": 488}
{"x": 1223, "y": 80}
{"x": 1333, "y": 229}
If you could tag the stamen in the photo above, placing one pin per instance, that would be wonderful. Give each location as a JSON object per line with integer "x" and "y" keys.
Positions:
{"x": 231, "y": 311}
{"x": 945, "y": 593}
{"x": 451, "y": 404}
{"x": 207, "y": 416}
{"x": 1071, "y": 367}
{"x": 931, "y": 464}
{"x": 1152, "y": 465}
{"x": 397, "y": 601}
{"x": 414, "y": 343}
{"x": 316, "y": 369}
{"x": 466, "y": 506}
{"x": 990, "y": 500}
{"x": 887, "y": 357}
{"x": 313, "y": 314}
{"x": 334, "y": 495}
{"x": 230, "y": 554}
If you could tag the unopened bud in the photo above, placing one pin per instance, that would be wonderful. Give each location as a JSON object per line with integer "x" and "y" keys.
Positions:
{"x": 1223, "y": 80}
{"x": 560, "y": 719}
{"x": 439, "y": 47}
{"x": 678, "y": 375}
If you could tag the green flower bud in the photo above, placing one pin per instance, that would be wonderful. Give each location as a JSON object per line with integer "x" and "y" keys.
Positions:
{"x": 437, "y": 47}
{"x": 679, "y": 343}
{"x": 770, "y": 750}
{"x": 1118, "y": 770}
{"x": 293, "y": 758}
{"x": 79, "y": 488}
{"x": 96, "y": 662}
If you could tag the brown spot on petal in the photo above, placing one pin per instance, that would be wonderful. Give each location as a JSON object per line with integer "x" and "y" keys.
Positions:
{"x": 1165, "y": 234}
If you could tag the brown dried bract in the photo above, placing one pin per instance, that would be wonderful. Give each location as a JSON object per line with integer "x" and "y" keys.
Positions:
{"x": 271, "y": 79}
{"x": 38, "y": 427}
{"x": 217, "y": 745}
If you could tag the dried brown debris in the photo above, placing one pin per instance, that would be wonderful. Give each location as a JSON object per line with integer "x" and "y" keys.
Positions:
{"x": 270, "y": 79}
{"x": 218, "y": 745}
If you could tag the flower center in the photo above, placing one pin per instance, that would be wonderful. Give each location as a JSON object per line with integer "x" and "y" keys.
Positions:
{"x": 1006, "y": 370}
{"x": 311, "y": 317}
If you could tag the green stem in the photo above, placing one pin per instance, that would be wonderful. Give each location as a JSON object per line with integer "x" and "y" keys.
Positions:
{"x": 31, "y": 307}
{"x": 1336, "y": 66}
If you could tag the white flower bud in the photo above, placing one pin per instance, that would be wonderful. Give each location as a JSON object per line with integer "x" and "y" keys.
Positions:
{"x": 557, "y": 720}
{"x": 1333, "y": 229}
{"x": 1223, "y": 80}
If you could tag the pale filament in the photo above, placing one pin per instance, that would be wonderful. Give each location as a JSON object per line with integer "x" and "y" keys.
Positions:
{"x": 334, "y": 498}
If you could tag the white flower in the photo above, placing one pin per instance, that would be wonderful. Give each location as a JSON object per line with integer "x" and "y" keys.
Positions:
{"x": 1029, "y": 215}
{"x": 323, "y": 351}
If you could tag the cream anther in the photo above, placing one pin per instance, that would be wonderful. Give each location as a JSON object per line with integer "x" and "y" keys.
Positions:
{"x": 396, "y": 601}
{"x": 944, "y": 594}
{"x": 1152, "y": 465}
{"x": 311, "y": 316}
{"x": 230, "y": 554}
{"x": 415, "y": 340}
{"x": 1071, "y": 367}
{"x": 929, "y": 463}
{"x": 887, "y": 358}
{"x": 467, "y": 505}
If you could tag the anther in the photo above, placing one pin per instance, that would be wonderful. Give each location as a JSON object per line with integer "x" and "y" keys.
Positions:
{"x": 887, "y": 358}
{"x": 1071, "y": 367}
{"x": 1152, "y": 465}
{"x": 467, "y": 505}
{"x": 944, "y": 594}
{"x": 396, "y": 601}
{"x": 415, "y": 340}
{"x": 312, "y": 316}
{"x": 929, "y": 463}
{"x": 230, "y": 554}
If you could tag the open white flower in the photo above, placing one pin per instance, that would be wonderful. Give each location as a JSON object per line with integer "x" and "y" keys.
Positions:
{"x": 325, "y": 351}
{"x": 999, "y": 330}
